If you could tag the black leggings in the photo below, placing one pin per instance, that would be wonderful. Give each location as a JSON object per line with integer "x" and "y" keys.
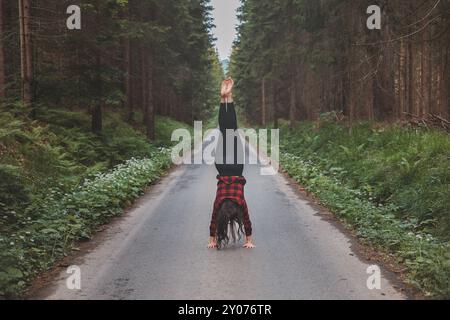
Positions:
{"x": 228, "y": 120}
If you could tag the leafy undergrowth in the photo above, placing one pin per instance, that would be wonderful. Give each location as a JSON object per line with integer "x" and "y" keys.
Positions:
{"x": 38, "y": 243}
{"x": 390, "y": 184}
{"x": 59, "y": 182}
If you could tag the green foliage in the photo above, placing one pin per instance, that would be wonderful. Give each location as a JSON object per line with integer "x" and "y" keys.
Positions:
{"x": 269, "y": 41}
{"x": 390, "y": 184}
{"x": 43, "y": 239}
{"x": 185, "y": 61}
{"x": 56, "y": 186}
{"x": 396, "y": 165}
{"x": 53, "y": 186}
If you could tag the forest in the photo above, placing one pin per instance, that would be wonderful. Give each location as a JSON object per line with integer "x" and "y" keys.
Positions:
{"x": 132, "y": 55}
{"x": 75, "y": 104}
{"x": 298, "y": 59}
{"x": 86, "y": 117}
{"x": 364, "y": 116}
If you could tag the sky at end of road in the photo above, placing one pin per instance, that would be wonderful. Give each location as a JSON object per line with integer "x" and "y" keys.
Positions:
{"x": 225, "y": 19}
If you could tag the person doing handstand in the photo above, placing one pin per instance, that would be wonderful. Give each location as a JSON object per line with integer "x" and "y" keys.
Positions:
{"x": 230, "y": 215}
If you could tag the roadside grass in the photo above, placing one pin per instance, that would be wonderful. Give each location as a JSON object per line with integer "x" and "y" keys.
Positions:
{"x": 59, "y": 183}
{"x": 391, "y": 184}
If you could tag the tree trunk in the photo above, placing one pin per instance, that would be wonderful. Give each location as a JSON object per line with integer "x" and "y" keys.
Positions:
{"x": 147, "y": 93}
{"x": 447, "y": 82}
{"x": 144, "y": 88}
{"x": 293, "y": 98}
{"x": 29, "y": 51}
{"x": 23, "y": 62}
{"x": 430, "y": 77}
{"x": 26, "y": 52}
{"x": 136, "y": 79}
{"x": 410, "y": 80}
{"x": 127, "y": 81}
{"x": 150, "y": 123}
{"x": 2, "y": 54}
{"x": 97, "y": 121}
{"x": 128, "y": 67}
{"x": 292, "y": 105}
{"x": 263, "y": 102}
{"x": 402, "y": 82}
{"x": 423, "y": 103}
{"x": 276, "y": 96}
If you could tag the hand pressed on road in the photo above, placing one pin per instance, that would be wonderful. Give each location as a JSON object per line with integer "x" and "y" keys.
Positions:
{"x": 212, "y": 244}
{"x": 248, "y": 243}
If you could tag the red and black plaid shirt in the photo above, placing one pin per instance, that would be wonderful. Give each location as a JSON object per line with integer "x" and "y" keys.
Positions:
{"x": 230, "y": 188}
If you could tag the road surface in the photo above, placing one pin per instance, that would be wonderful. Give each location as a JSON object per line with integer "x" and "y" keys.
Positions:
{"x": 158, "y": 249}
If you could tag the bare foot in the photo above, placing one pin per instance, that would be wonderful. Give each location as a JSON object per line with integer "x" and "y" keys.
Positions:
{"x": 227, "y": 88}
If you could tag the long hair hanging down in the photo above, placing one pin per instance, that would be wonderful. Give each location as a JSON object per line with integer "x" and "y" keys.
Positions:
{"x": 230, "y": 221}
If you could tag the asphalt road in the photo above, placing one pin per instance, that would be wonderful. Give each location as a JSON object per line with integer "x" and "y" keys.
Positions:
{"x": 158, "y": 249}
